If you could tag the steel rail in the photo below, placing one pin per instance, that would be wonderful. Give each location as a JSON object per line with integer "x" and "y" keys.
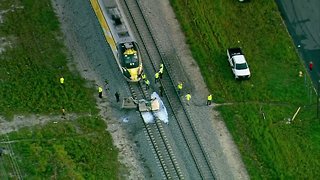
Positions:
{"x": 157, "y": 138}
{"x": 201, "y": 160}
{"x": 173, "y": 162}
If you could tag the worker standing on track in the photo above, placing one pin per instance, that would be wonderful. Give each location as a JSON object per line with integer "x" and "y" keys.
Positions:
{"x": 156, "y": 77}
{"x": 143, "y": 76}
{"x": 100, "y": 92}
{"x": 161, "y": 71}
{"x": 147, "y": 82}
{"x": 188, "y": 98}
{"x": 209, "y": 99}
{"x": 180, "y": 85}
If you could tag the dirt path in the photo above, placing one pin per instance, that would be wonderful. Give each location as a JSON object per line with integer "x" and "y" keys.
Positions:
{"x": 21, "y": 121}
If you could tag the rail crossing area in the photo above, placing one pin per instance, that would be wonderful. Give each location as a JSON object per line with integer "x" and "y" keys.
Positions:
{"x": 173, "y": 133}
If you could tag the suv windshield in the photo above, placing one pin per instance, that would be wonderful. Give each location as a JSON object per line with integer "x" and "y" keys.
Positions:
{"x": 241, "y": 66}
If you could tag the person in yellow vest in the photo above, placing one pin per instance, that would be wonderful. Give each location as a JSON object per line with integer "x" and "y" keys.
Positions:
{"x": 61, "y": 80}
{"x": 209, "y": 99}
{"x": 147, "y": 82}
{"x": 188, "y": 98}
{"x": 156, "y": 77}
{"x": 143, "y": 76}
{"x": 100, "y": 92}
{"x": 180, "y": 85}
{"x": 161, "y": 71}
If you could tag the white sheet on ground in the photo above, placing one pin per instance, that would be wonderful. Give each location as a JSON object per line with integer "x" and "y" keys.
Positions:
{"x": 162, "y": 113}
{"x": 147, "y": 117}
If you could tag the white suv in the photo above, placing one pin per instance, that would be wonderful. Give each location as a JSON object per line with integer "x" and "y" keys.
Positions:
{"x": 238, "y": 63}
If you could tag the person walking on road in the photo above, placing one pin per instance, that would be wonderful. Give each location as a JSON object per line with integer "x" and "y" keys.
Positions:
{"x": 188, "y": 98}
{"x": 100, "y": 92}
{"x": 147, "y": 82}
{"x": 180, "y": 85}
{"x": 117, "y": 96}
{"x": 209, "y": 99}
{"x": 156, "y": 77}
{"x": 161, "y": 71}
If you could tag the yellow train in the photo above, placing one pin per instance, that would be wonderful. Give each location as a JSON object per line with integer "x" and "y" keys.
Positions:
{"x": 120, "y": 38}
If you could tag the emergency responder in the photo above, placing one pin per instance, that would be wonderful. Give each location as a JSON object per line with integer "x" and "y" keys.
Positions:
{"x": 156, "y": 77}
{"x": 100, "y": 92}
{"x": 62, "y": 81}
{"x": 147, "y": 82}
{"x": 143, "y": 76}
{"x": 188, "y": 98}
{"x": 117, "y": 96}
{"x": 180, "y": 85}
{"x": 209, "y": 99}
{"x": 161, "y": 71}
{"x": 63, "y": 111}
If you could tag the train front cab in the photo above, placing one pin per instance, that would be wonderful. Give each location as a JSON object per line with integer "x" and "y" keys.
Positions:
{"x": 130, "y": 60}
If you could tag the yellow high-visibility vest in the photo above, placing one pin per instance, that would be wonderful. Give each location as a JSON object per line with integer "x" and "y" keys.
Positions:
{"x": 156, "y": 75}
{"x": 144, "y": 76}
{"x": 61, "y": 80}
{"x": 161, "y": 70}
{"x": 180, "y": 86}
{"x": 100, "y": 89}
{"x": 188, "y": 97}
{"x": 147, "y": 82}
{"x": 161, "y": 66}
{"x": 210, "y": 97}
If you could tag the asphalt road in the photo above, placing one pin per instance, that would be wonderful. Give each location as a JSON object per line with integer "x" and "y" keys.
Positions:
{"x": 303, "y": 22}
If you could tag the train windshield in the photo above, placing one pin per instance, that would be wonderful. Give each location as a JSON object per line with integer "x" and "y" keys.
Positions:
{"x": 131, "y": 60}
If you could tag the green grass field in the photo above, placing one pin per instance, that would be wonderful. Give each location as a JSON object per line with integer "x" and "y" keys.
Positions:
{"x": 31, "y": 69}
{"x": 270, "y": 147}
{"x": 80, "y": 149}
{"x": 29, "y": 84}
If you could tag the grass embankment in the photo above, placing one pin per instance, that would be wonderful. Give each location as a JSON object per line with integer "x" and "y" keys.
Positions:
{"x": 29, "y": 75}
{"x": 270, "y": 148}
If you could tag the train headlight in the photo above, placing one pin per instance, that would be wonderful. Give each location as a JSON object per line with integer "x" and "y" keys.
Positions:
{"x": 126, "y": 73}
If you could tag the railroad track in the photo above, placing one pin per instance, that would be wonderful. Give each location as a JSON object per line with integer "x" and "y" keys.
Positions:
{"x": 205, "y": 168}
{"x": 158, "y": 138}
